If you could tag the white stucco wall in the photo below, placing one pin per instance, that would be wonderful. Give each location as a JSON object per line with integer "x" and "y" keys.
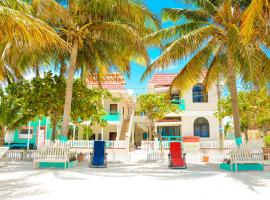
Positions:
{"x": 187, "y": 126}
{"x": 106, "y": 131}
{"x": 194, "y": 111}
{"x": 211, "y": 105}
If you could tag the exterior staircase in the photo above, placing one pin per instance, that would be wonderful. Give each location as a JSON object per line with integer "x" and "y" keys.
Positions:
{"x": 124, "y": 130}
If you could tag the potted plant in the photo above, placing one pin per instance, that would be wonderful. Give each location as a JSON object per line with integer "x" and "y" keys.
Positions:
{"x": 72, "y": 157}
{"x": 80, "y": 157}
{"x": 266, "y": 149}
{"x": 205, "y": 157}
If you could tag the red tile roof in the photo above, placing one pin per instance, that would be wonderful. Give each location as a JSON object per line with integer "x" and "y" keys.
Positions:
{"x": 162, "y": 79}
{"x": 113, "y": 81}
{"x": 168, "y": 120}
{"x": 109, "y": 86}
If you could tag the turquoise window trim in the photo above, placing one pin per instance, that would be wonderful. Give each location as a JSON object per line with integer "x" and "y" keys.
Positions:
{"x": 180, "y": 103}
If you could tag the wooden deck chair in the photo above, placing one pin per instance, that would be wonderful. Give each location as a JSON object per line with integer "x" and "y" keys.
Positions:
{"x": 99, "y": 155}
{"x": 177, "y": 160}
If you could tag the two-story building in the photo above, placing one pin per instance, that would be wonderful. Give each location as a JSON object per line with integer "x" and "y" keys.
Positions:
{"x": 195, "y": 119}
{"x": 118, "y": 111}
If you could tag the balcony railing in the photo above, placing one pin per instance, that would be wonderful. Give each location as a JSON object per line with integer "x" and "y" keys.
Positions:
{"x": 112, "y": 116}
{"x": 180, "y": 103}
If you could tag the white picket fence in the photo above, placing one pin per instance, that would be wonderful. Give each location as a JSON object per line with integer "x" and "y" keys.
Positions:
{"x": 190, "y": 156}
{"x": 228, "y": 144}
{"x": 215, "y": 144}
{"x": 114, "y": 156}
{"x": 20, "y": 155}
{"x": 204, "y": 144}
{"x": 88, "y": 144}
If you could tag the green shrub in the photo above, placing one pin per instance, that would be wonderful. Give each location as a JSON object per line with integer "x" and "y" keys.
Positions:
{"x": 267, "y": 140}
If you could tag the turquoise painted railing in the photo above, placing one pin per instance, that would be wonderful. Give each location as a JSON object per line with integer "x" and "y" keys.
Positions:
{"x": 172, "y": 138}
{"x": 180, "y": 103}
{"x": 112, "y": 116}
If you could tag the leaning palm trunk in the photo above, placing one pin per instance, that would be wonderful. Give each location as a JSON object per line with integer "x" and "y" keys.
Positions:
{"x": 221, "y": 137}
{"x": 2, "y": 136}
{"x": 69, "y": 87}
{"x": 234, "y": 101}
{"x": 152, "y": 132}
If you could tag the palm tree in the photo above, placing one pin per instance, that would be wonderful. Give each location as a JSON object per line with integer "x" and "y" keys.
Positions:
{"x": 256, "y": 16}
{"x": 211, "y": 36}
{"x": 18, "y": 60}
{"x": 10, "y": 115}
{"x": 102, "y": 33}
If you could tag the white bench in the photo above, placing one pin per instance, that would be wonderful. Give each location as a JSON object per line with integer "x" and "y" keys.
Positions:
{"x": 246, "y": 153}
{"x": 3, "y": 151}
{"x": 52, "y": 154}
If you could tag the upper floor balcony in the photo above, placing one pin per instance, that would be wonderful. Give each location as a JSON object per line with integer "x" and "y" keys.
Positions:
{"x": 112, "y": 116}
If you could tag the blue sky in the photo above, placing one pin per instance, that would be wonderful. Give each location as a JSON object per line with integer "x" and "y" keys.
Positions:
{"x": 136, "y": 70}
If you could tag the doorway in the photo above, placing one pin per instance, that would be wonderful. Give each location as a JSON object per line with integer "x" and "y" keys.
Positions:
{"x": 113, "y": 136}
{"x": 41, "y": 135}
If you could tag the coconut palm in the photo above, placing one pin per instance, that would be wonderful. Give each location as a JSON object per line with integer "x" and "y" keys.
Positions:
{"x": 211, "y": 36}
{"x": 102, "y": 33}
{"x": 10, "y": 115}
{"x": 256, "y": 16}
{"x": 18, "y": 60}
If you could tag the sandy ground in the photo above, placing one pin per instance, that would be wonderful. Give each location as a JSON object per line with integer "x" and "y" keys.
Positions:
{"x": 131, "y": 181}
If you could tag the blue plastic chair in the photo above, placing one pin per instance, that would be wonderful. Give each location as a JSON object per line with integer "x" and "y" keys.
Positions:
{"x": 99, "y": 155}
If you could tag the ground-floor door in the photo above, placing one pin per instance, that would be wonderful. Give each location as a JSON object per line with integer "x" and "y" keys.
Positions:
{"x": 113, "y": 135}
{"x": 41, "y": 135}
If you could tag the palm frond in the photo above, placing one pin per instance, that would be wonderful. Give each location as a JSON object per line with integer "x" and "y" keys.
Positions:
{"x": 182, "y": 47}
{"x": 176, "y": 14}
{"x": 195, "y": 68}
{"x": 172, "y": 33}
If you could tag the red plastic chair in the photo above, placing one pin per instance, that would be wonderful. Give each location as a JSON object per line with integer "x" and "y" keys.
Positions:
{"x": 176, "y": 158}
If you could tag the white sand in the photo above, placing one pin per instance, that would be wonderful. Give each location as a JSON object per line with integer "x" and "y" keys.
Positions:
{"x": 132, "y": 181}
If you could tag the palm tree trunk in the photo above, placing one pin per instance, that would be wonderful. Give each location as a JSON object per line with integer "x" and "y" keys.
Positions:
{"x": 221, "y": 137}
{"x": 54, "y": 131}
{"x": 234, "y": 102}
{"x": 37, "y": 71}
{"x": 69, "y": 87}
{"x": 2, "y": 136}
{"x": 152, "y": 132}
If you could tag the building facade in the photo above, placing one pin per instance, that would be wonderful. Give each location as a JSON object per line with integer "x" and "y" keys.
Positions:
{"x": 118, "y": 109}
{"x": 195, "y": 119}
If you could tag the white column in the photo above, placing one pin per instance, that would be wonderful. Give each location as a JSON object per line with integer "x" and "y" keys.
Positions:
{"x": 74, "y": 129}
{"x": 28, "y": 135}
{"x": 117, "y": 130}
{"x": 46, "y": 125}
{"x": 102, "y": 133}
{"x": 38, "y": 130}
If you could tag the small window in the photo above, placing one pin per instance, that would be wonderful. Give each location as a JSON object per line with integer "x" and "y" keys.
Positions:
{"x": 199, "y": 93}
{"x": 201, "y": 127}
{"x": 24, "y": 130}
{"x": 145, "y": 136}
{"x": 175, "y": 98}
{"x": 113, "y": 109}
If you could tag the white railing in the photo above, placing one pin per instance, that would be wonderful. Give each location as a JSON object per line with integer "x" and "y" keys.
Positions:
{"x": 194, "y": 146}
{"x": 114, "y": 156}
{"x": 148, "y": 145}
{"x": 190, "y": 156}
{"x": 20, "y": 155}
{"x": 88, "y": 144}
{"x": 227, "y": 144}
{"x": 81, "y": 144}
